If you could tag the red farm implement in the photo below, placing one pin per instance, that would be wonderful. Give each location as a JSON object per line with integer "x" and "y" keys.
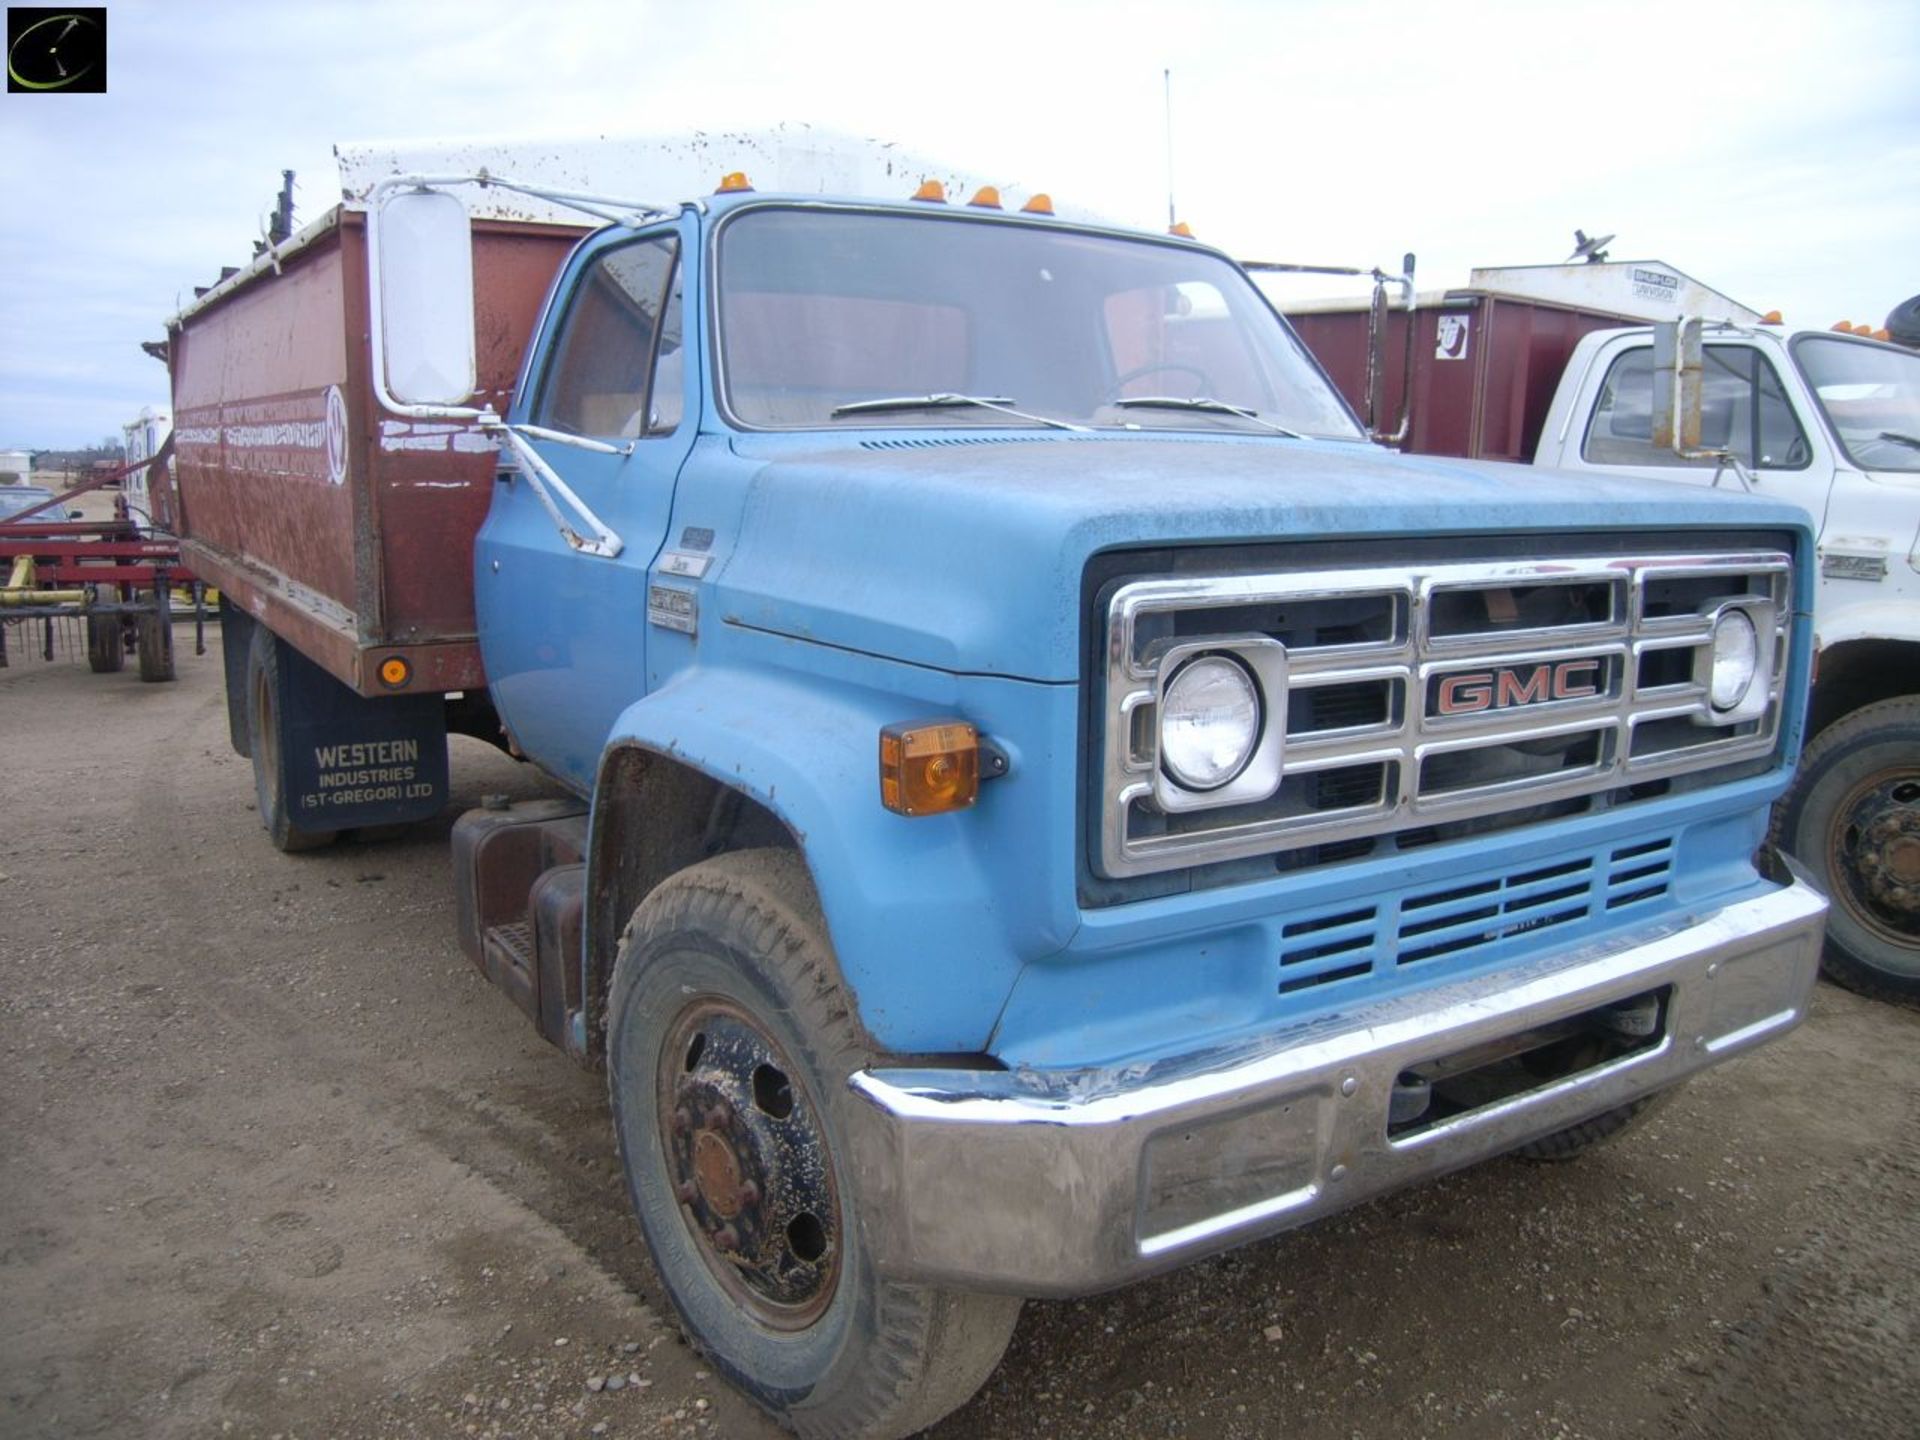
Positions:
{"x": 62, "y": 577}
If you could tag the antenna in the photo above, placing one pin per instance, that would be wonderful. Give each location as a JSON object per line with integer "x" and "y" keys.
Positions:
{"x": 1166, "y": 77}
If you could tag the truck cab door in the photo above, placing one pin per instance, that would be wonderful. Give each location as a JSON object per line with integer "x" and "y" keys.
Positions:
{"x": 1747, "y": 407}
{"x": 563, "y": 631}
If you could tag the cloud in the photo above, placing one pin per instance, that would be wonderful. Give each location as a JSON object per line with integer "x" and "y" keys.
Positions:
{"x": 1767, "y": 149}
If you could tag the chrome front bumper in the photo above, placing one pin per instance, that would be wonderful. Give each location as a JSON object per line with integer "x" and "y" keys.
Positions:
{"x": 1046, "y": 1184}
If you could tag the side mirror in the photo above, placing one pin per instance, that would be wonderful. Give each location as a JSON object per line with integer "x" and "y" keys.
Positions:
{"x": 423, "y": 344}
{"x": 1677, "y": 376}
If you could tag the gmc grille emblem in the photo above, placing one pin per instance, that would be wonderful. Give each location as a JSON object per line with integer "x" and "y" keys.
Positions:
{"x": 1512, "y": 686}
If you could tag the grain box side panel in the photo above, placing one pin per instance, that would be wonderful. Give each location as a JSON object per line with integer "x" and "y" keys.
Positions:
{"x": 1449, "y": 350}
{"x": 434, "y": 479}
{"x": 261, "y": 470}
{"x": 1530, "y": 347}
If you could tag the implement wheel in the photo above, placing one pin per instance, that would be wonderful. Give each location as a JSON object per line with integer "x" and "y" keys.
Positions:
{"x": 106, "y": 644}
{"x": 154, "y": 634}
{"x": 729, "y": 1044}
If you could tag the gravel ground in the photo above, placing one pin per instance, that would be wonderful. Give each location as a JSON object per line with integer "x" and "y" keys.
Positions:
{"x": 280, "y": 1163}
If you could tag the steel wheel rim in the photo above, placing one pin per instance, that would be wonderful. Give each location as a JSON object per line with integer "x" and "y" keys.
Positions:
{"x": 747, "y": 1158}
{"x": 1873, "y": 855}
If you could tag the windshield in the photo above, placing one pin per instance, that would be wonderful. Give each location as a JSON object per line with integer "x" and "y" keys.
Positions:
{"x": 1871, "y": 396}
{"x": 893, "y": 319}
{"x": 16, "y": 498}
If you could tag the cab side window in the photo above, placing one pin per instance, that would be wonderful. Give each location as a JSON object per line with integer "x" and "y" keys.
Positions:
{"x": 1742, "y": 409}
{"x": 616, "y": 372}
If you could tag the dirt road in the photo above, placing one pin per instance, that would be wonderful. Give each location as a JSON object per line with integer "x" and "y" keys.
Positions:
{"x": 278, "y": 1163}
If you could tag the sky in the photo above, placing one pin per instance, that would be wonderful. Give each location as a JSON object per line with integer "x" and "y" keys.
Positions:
{"x": 1771, "y": 151}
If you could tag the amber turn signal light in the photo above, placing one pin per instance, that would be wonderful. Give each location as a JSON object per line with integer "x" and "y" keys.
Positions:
{"x": 929, "y": 769}
{"x": 395, "y": 672}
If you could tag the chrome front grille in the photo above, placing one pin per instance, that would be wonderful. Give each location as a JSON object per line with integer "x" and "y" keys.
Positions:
{"x": 1410, "y": 697}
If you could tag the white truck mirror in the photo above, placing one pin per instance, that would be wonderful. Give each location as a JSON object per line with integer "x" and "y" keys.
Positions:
{"x": 1677, "y": 372}
{"x": 421, "y": 246}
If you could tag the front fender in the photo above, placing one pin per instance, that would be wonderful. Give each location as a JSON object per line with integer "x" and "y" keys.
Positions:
{"x": 1889, "y": 619}
{"x": 931, "y": 918}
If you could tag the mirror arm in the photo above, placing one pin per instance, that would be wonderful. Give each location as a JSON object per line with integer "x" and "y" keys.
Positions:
{"x": 546, "y": 481}
{"x": 580, "y": 442}
{"x": 1726, "y": 458}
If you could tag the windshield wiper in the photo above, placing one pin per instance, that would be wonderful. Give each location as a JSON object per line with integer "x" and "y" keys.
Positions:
{"x": 1900, "y": 437}
{"x": 947, "y": 401}
{"x": 1214, "y": 407}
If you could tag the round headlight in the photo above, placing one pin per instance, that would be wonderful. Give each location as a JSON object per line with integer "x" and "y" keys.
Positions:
{"x": 1209, "y": 722}
{"x": 1736, "y": 659}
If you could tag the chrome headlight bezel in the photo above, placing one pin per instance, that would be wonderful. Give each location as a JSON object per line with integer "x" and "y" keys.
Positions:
{"x": 1264, "y": 663}
{"x": 1757, "y": 618}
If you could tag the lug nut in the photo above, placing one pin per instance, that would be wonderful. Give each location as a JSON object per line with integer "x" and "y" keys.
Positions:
{"x": 686, "y": 1192}
{"x": 682, "y": 1120}
{"x": 720, "y": 1116}
{"x": 726, "y": 1238}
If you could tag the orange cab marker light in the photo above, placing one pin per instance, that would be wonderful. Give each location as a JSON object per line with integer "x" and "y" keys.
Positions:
{"x": 1883, "y": 334}
{"x": 929, "y": 769}
{"x": 1845, "y": 327}
{"x": 734, "y": 182}
{"x": 1038, "y": 204}
{"x": 931, "y": 191}
{"x": 395, "y": 672}
{"x": 1772, "y": 317}
{"x": 1182, "y": 229}
{"x": 986, "y": 197}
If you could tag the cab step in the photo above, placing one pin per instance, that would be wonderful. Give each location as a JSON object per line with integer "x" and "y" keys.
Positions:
{"x": 520, "y": 884}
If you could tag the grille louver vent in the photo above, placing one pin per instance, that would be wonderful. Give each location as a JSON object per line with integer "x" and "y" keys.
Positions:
{"x": 1443, "y": 926}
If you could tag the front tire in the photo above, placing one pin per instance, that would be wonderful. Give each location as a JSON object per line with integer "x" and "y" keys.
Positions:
{"x": 729, "y": 1042}
{"x": 1576, "y": 1140}
{"x": 1853, "y": 820}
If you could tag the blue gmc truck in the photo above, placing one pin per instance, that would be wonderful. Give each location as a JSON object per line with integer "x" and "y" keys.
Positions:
{"x": 1046, "y": 799}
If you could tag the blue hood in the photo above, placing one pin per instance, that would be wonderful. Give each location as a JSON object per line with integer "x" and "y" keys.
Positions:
{"x": 965, "y": 552}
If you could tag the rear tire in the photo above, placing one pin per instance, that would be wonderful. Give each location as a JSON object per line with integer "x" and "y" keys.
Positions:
{"x": 1853, "y": 820}
{"x": 265, "y": 689}
{"x": 729, "y": 1043}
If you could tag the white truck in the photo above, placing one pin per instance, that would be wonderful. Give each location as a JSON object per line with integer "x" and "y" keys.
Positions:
{"x": 141, "y": 440}
{"x": 1830, "y": 421}
{"x": 1555, "y": 364}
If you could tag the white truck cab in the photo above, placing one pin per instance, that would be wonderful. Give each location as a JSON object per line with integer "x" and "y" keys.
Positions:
{"x": 1830, "y": 421}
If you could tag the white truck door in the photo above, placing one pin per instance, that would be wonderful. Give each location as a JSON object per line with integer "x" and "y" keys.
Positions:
{"x": 1750, "y": 405}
